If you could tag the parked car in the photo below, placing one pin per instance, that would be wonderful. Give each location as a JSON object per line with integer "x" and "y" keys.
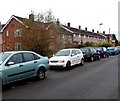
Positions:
{"x": 112, "y": 50}
{"x": 103, "y": 51}
{"x": 66, "y": 58}
{"x": 90, "y": 53}
{"x": 118, "y": 47}
{"x": 18, "y": 65}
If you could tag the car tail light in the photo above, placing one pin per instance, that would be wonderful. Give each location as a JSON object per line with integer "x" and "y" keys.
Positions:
{"x": 48, "y": 61}
{"x": 61, "y": 61}
{"x": 89, "y": 54}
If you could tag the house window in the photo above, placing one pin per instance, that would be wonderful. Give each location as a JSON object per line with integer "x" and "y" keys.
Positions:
{"x": 63, "y": 36}
{"x": 7, "y": 33}
{"x": 12, "y": 25}
{"x": 84, "y": 36}
{"x": 79, "y": 35}
{"x": 17, "y": 46}
{"x": 7, "y": 46}
{"x": 17, "y": 32}
{"x": 69, "y": 35}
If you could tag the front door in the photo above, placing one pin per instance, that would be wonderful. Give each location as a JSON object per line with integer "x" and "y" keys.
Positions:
{"x": 13, "y": 72}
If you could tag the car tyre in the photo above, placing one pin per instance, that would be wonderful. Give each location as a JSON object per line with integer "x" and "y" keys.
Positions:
{"x": 68, "y": 65}
{"x": 92, "y": 59}
{"x": 41, "y": 74}
{"x": 82, "y": 62}
{"x": 99, "y": 57}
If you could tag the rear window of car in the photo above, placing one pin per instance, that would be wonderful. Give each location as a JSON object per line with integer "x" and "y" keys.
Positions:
{"x": 28, "y": 57}
{"x": 84, "y": 49}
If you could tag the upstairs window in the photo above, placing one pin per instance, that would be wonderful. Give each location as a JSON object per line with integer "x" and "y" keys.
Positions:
{"x": 17, "y": 32}
{"x": 7, "y": 33}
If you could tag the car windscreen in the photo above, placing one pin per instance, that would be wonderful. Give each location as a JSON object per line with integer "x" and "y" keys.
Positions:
{"x": 3, "y": 56}
{"x": 63, "y": 53}
{"x": 84, "y": 49}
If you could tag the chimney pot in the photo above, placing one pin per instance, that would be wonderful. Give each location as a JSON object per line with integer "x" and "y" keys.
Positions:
{"x": 79, "y": 27}
{"x": 85, "y": 28}
{"x": 68, "y": 24}
{"x": 104, "y": 32}
{"x": 93, "y": 30}
{"x": 97, "y": 32}
{"x": 31, "y": 17}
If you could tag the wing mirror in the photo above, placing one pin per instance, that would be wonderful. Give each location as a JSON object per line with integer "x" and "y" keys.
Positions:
{"x": 10, "y": 63}
{"x": 72, "y": 55}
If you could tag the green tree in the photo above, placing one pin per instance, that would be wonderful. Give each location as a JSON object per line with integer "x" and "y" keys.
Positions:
{"x": 105, "y": 44}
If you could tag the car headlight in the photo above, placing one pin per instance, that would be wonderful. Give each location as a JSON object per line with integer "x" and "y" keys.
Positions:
{"x": 61, "y": 61}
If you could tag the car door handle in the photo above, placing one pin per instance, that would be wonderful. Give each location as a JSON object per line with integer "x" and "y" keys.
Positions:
{"x": 35, "y": 61}
{"x": 20, "y": 65}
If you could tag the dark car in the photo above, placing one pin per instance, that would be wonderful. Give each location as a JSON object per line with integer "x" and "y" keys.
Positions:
{"x": 112, "y": 50}
{"x": 90, "y": 53}
{"x": 103, "y": 52}
{"x": 118, "y": 47}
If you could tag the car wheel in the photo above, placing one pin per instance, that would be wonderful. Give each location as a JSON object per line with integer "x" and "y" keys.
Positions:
{"x": 104, "y": 56}
{"x": 82, "y": 62}
{"x": 41, "y": 74}
{"x": 99, "y": 57}
{"x": 91, "y": 59}
{"x": 68, "y": 65}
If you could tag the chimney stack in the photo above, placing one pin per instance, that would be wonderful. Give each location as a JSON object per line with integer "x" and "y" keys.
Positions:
{"x": 68, "y": 24}
{"x": 58, "y": 22}
{"x": 97, "y": 32}
{"x": 85, "y": 28}
{"x": 104, "y": 32}
{"x": 31, "y": 17}
{"x": 79, "y": 27}
{"x": 93, "y": 30}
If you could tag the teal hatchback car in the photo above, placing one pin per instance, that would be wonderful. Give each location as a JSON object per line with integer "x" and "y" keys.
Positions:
{"x": 18, "y": 65}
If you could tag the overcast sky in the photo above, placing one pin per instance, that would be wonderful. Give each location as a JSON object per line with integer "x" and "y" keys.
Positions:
{"x": 87, "y": 13}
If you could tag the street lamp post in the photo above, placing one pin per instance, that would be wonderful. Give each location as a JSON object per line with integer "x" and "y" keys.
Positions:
{"x": 100, "y": 26}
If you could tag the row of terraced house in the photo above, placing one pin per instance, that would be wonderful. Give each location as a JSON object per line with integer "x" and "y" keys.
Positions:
{"x": 16, "y": 26}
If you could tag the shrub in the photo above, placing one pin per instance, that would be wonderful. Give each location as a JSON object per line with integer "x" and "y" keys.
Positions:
{"x": 105, "y": 44}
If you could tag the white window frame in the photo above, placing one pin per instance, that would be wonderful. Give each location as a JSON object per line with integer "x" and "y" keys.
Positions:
{"x": 7, "y": 33}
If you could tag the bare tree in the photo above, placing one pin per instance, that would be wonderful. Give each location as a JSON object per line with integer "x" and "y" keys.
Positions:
{"x": 45, "y": 16}
{"x": 35, "y": 37}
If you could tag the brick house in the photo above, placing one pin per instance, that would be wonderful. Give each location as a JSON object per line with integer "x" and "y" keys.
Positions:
{"x": 1, "y": 42}
{"x": 60, "y": 36}
{"x": 12, "y": 32}
{"x": 82, "y": 36}
{"x": 18, "y": 28}
{"x": 109, "y": 38}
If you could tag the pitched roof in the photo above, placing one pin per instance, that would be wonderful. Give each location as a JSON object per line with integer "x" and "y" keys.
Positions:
{"x": 83, "y": 32}
{"x": 27, "y": 23}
